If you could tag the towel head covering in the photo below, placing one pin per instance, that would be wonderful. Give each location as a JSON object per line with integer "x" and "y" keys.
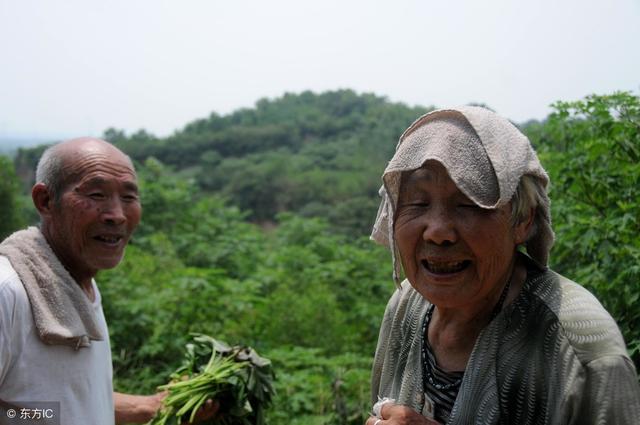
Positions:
{"x": 484, "y": 154}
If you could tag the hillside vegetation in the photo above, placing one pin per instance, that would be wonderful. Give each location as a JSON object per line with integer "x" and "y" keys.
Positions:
{"x": 315, "y": 155}
{"x": 255, "y": 231}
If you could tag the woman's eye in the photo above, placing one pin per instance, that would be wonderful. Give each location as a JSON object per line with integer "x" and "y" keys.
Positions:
{"x": 415, "y": 204}
{"x": 129, "y": 198}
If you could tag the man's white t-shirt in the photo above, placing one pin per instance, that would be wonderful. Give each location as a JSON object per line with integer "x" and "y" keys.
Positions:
{"x": 32, "y": 371}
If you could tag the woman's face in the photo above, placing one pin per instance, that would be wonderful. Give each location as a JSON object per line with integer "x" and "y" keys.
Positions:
{"x": 453, "y": 252}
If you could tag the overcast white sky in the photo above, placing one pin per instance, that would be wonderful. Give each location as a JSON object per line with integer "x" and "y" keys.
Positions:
{"x": 77, "y": 67}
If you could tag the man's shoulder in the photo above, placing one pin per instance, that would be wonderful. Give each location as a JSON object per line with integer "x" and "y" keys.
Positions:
{"x": 7, "y": 273}
{"x": 11, "y": 289}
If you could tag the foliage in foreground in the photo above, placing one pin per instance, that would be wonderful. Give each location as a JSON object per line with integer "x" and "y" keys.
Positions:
{"x": 236, "y": 377}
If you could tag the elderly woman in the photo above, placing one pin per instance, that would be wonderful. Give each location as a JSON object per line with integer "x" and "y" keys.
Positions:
{"x": 481, "y": 332}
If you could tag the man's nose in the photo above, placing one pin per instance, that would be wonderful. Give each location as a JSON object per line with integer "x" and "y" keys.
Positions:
{"x": 113, "y": 212}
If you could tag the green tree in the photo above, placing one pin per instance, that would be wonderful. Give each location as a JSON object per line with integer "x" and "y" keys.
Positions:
{"x": 10, "y": 202}
{"x": 591, "y": 149}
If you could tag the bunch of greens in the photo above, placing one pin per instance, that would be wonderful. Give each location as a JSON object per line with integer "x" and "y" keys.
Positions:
{"x": 236, "y": 377}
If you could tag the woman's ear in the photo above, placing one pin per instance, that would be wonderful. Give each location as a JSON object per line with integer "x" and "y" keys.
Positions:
{"x": 522, "y": 229}
{"x": 42, "y": 199}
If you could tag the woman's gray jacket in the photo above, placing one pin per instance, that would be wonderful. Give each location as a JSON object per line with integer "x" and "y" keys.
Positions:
{"x": 553, "y": 356}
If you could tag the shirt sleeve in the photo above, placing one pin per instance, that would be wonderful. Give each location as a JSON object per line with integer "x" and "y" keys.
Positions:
{"x": 610, "y": 393}
{"x": 7, "y": 307}
{"x": 382, "y": 346}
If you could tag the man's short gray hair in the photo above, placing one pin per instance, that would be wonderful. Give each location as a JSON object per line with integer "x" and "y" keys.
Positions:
{"x": 51, "y": 166}
{"x": 50, "y": 172}
{"x": 530, "y": 194}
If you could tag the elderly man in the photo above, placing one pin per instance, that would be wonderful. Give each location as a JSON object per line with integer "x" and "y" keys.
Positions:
{"x": 54, "y": 343}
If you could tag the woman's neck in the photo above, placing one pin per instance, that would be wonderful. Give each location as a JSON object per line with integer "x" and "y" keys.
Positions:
{"x": 453, "y": 332}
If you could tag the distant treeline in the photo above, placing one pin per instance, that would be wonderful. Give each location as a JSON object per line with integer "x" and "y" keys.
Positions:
{"x": 314, "y": 154}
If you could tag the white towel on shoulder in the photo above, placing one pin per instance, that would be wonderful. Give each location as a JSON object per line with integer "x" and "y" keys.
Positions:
{"x": 61, "y": 311}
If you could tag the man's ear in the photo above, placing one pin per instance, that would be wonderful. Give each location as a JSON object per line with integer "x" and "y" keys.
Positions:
{"x": 523, "y": 228}
{"x": 42, "y": 199}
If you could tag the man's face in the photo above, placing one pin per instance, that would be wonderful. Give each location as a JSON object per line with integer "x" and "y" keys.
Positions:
{"x": 98, "y": 210}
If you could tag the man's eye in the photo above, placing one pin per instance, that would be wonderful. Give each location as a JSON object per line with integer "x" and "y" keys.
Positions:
{"x": 96, "y": 195}
{"x": 130, "y": 198}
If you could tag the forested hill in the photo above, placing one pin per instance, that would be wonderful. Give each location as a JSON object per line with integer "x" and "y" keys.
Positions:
{"x": 315, "y": 125}
{"x": 313, "y": 154}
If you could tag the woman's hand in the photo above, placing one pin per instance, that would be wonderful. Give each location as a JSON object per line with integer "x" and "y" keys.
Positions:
{"x": 397, "y": 414}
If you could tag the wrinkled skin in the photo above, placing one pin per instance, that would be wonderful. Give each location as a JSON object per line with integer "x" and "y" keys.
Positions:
{"x": 90, "y": 225}
{"x": 454, "y": 253}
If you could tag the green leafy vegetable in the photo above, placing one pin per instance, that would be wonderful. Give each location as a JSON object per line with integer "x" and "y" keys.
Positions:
{"x": 237, "y": 377}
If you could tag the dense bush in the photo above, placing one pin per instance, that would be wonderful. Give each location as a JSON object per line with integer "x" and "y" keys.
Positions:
{"x": 591, "y": 149}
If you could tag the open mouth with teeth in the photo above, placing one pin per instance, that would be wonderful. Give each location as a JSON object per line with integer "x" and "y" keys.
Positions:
{"x": 445, "y": 267}
{"x": 110, "y": 240}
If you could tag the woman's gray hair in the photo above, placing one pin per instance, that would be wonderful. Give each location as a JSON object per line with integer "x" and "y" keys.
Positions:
{"x": 530, "y": 195}
{"x": 50, "y": 172}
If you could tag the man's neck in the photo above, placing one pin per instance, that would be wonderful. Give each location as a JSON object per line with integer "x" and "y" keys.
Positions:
{"x": 84, "y": 278}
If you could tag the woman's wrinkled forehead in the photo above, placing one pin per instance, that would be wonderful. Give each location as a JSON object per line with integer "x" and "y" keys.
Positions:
{"x": 432, "y": 173}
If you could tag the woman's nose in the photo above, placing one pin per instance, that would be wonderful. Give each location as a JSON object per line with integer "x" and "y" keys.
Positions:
{"x": 439, "y": 227}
